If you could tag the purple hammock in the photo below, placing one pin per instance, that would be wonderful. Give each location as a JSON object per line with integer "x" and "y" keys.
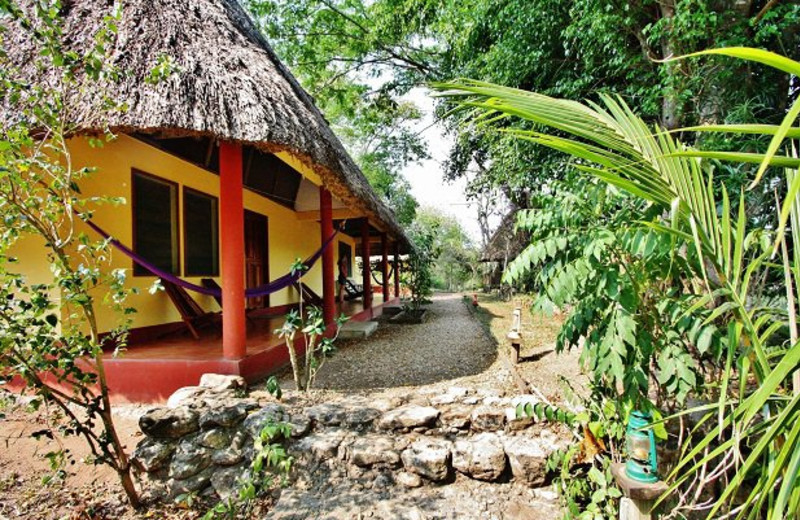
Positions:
{"x": 389, "y": 274}
{"x": 256, "y": 292}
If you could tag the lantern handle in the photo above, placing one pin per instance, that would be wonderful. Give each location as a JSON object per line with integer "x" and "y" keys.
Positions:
{"x": 653, "y": 452}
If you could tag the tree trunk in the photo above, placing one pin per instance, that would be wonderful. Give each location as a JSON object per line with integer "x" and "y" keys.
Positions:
{"x": 123, "y": 465}
{"x": 129, "y": 487}
{"x": 670, "y": 109}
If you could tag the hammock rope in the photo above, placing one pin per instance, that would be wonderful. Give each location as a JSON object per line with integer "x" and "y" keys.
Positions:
{"x": 389, "y": 275}
{"x": 255, "y": 292}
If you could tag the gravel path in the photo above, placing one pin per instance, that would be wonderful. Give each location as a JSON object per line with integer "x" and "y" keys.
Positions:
{"x": 449, "y": 345}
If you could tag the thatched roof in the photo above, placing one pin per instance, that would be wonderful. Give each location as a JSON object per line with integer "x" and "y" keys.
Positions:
{"x": 505, "y": 244}
{"x": 229, "y": 85}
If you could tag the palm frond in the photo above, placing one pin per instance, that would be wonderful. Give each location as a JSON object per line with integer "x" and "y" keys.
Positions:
{"x": 608, "y": 141}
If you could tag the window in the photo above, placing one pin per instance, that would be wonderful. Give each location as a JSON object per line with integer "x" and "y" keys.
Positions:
{"x": 155, "y": 223}
{"x": 200, "y": 234}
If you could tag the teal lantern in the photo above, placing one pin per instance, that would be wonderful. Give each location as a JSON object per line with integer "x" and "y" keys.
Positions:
{"x": 641, "y": 443}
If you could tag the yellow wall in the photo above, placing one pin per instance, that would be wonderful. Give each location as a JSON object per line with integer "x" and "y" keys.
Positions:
{"x": 289, "y": 238}
{"x": 31, "y": 253}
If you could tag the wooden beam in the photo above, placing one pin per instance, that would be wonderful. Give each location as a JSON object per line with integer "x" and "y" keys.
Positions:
{"x": 336, "y": 214}
{"x": 232, "y": 246}
{"x": 248, "y": 164}
{"x": 209, "y": 151}
{"x": 328, "y": 288}
{"x": 385, "y": 266}
{"x": 396, "y": 270}
{"x": 365, "y": 267}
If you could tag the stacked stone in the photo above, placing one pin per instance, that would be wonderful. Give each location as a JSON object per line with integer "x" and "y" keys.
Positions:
{"x": 203, "y": 440}
{"x": 200, "y": 440}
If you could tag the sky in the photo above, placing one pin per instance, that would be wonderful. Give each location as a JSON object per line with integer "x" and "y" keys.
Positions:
{"x": 426, "y": 178}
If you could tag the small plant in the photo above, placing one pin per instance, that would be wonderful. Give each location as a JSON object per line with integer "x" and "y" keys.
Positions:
{"x": 271, "y": 454}
{"x": 50, "y": 340}
{"x": 274, "y": 387}
{"x": 270, "y": 461}
{"x": 187, "y": 500}
{"x": 582, "y": 471}
{"x": 316, "y": 347}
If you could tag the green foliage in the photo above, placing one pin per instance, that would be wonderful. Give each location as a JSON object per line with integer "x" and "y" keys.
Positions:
{"x": 575, "y": 49}
{"x": 270, "y": 462}
{"x": 718, "y": 267}
{"x": 621, "y": 282}
{"x": 379, "y": 138}
{"x": 418, "y": 274}
{"x": 49, "y": 337}
{"x": 454, "y": 262}
{"x": 543, "y": 411}
{"x": 309, "y": 323}
{"x": 274, "y": 387}
{"x": 339, "y": 50}
{"x": 270, "y": 453}
{"x": 164, "y": 67}
{"x": 360, "y": 59}
{"x": 582, "y": 471}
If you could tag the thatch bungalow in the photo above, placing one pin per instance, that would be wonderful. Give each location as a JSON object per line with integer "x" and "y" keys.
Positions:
{"x": 230, "y": 173}
{"x": 504, "y": 245}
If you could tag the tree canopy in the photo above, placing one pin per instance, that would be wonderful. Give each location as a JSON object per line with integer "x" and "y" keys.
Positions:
{"x": 454, "y": 255}
{"x": 360, "y": 59}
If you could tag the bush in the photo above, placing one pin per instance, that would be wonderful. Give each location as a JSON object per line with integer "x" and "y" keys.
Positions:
{"x": 419, "y": 275}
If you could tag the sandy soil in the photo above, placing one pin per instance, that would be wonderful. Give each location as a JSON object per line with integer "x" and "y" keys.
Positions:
{"x": 85, "y": 491}
{"x": 541, "y": 366}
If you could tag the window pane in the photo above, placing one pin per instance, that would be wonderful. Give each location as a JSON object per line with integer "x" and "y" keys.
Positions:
{"x": 155, "y": 225}
{"x": 200, "y": 234}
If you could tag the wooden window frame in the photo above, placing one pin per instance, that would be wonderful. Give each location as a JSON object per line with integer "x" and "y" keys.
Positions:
{"x": 183, "y": 230}
{"x": 134, "y": 173}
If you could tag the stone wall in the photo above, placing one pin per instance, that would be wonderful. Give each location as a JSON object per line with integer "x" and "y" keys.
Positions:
{"x": 202, "y": 441}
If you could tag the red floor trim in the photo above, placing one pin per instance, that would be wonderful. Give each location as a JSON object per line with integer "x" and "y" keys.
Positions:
{"x": 154, "y": 380}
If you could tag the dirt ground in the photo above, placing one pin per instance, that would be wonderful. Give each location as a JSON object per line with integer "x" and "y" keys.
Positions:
{"x": 85, "y": 491}
{"x": 458, "y": 346}
{"x": 540, "y": 365}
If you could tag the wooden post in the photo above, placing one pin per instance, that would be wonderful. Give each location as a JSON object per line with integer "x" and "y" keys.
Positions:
{"x": 365, "y": 270}
{"x": 396, "y": 270}
{"x": 630, "y": 509}
{"x": 385, "y": 266}
{"x": 637, "y": 504}
{"x": 514, "y": 336}
{"x": 234, "y": 328}
{"x": 328, "y": 286}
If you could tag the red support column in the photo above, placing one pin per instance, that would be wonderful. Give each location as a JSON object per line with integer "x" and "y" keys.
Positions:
{"x": 396, "y": 270}
{"x": 232, "y": 244}
{"x": 365, "y": 270}
{"x": 328, "y": 286}
{"x": 385, "y": 266}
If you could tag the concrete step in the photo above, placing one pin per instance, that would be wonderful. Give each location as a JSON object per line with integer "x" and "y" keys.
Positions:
{"x": 357, "y": 329}
{"x": 392, "y": 309}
